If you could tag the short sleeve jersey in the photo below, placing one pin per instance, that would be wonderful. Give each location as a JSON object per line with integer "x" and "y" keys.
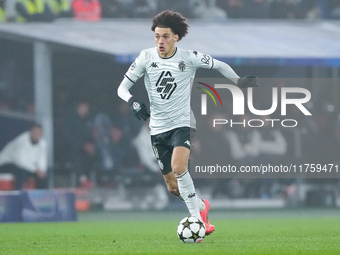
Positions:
{"x": 168, "y": 83}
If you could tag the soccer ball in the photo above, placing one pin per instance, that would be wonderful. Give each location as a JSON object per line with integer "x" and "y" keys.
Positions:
{"x": 191, "y": 230}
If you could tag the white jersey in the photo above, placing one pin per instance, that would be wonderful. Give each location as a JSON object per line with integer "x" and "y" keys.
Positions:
{"x": 168, "y": 83}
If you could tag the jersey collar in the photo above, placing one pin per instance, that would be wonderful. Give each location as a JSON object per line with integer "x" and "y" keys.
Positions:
{"x": 173, "y": 54}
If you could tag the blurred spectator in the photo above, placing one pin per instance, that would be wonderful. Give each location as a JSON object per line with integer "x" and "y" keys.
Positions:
{"x": 272, "y": 149}
{"x": 309, "y": 9}
{"x": 326, "y": 143}
{"x": 5, "y": 105}
{"x": 283, "y": 9}
{"x": 233, "y": 8}
{"x": 256, "y": 9}
{"x": 144, "y": 149}
{"x": 16, "y": 75}
{"x": 213, "y": 149}
{"x": 207, "y": 9}
{"x": 26, "y": 156}
{"x": 213, "y": 144}
{"x": 62, "y": 108}
{"x": 143, "y": 8}
{"x": 60, "y": 8}
{"x": 3, "y": 15}
{"x": 108, "y": 151}
{"x": 90, "y": 10}
{"x": 125, "y": 129}
{"x": 33, "y": 10}
{"x": 302, "y": 140}
{"x": 244, "y": 143}
{"x": 333, "y": 7}
{"x": 184, "y": 7}
{"x": 273, "y": 145}
{"x": 82, "y": 147}
{"x": 114, "y": 9}
{"x": 337, "y": 134}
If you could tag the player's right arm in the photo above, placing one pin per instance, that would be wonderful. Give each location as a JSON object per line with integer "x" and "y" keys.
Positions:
{"x": 136, "y": 70}
{"x": 123, "y": 89}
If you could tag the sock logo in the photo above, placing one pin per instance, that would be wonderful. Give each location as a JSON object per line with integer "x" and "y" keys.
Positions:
{"x": 191, "y": 195}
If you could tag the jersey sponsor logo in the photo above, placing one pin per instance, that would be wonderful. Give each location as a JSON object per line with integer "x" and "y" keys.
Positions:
{"x": 181, "y": 66}
{"x": 166, "y": 85}
{"x": 154, "y": 65}
{"x": 206, "y": 59}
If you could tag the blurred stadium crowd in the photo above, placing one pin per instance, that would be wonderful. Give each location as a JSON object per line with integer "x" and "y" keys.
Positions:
{"x": 49, "y": 10}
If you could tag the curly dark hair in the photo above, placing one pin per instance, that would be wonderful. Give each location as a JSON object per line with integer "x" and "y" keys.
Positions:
{"x": 173, "y": 20}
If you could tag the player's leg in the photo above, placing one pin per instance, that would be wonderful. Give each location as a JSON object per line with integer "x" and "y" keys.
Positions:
{"x": 172, "y": 186}
{"x": 162, "y": 145}
{"x": 180, "y": 140}
{"x": 179, "y": 162}
{"x": 162, "y": 152}
{"x": 179, "y": 165}
{"x": 163, "y": 156}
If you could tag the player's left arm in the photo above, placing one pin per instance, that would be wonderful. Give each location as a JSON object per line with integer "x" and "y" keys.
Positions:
{"x": 201, "y": 60}
{"x": 228, "y": 72}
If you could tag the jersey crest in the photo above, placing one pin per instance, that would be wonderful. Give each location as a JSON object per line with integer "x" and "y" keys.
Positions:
{"x": 181, "y": 66}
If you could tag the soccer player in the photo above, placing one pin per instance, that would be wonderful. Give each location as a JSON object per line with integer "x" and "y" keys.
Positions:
{"x": 167, "y": 72}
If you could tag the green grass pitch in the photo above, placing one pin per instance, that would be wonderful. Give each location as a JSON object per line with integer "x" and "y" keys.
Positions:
{"x": 135, "y": 233}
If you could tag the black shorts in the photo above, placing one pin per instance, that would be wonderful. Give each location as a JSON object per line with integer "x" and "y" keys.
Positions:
{"x": 163, "y": 145}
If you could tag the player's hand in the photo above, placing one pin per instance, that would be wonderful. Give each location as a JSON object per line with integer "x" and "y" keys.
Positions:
{"x": 247, "y": 81}
{"x": 138, "y": 109}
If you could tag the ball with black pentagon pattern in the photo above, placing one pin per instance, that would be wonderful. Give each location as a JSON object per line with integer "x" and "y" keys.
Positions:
{"x": 191, "y": 230}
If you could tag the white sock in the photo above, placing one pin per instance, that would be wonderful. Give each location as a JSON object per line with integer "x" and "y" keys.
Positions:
{"x": 201, "y": 203}
{"x": 187, "y": 192}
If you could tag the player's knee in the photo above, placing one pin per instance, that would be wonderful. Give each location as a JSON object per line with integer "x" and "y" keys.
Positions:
{"x": 178, "y": 168}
